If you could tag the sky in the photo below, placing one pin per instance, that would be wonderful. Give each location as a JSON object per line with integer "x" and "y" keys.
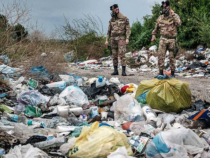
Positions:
{"x": 49, "y": 14}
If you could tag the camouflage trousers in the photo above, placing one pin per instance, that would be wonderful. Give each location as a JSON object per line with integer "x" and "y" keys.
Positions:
{"x": 118, "y": 49}
{"x": 164, "y": 45}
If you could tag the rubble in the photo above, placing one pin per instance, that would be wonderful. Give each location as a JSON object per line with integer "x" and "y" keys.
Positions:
{"x": 65, "y": 115}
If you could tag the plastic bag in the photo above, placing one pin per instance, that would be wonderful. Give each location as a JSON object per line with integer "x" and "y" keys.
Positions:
{"x": 98, "y": 141}
{"x": 25, "y": 151}
{"x": 175, "y": 143}
{"x": 32, "y": 98}
{"x": 75, "y": 95}
{"x": 114, "y": 80}
{"x": 120, "y": 153}
{"x": 23, "y": 132}
{"x": 5, "y": 108}
{"x": 169, "y": 95}
{"x": 67, "y": 146}
{"x": 33, "y": 111}
{"x": 126, "y": 108}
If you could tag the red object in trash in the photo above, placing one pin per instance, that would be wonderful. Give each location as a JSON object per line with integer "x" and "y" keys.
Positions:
{"x": 167, "y": 72}
{"x": 123, "y": 89}
{"x": 126, "y": 125}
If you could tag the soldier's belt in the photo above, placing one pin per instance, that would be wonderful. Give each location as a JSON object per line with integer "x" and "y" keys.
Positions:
{"x": 116, "y": 35}
{"x": 168, "y": 37}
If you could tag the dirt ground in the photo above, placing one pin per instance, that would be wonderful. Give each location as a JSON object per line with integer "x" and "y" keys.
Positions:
{"x": 200, "y": 87}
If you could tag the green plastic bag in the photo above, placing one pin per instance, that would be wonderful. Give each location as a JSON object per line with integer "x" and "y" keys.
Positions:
{"x": 5, "y": 108}
{"x": 32, "y": 83}
{"x": 33, "y": 111}
{"x": 76, "y": 132}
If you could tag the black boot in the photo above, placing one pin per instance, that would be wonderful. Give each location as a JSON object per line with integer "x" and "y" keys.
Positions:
{"x": 172, "y": 74}
{"x": 160, "y": 73}
{"x": 123, "y": 71}
{"x": 115, "y": 71}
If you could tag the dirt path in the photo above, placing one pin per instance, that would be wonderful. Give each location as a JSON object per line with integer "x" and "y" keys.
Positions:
{"x": 200, "y": 87}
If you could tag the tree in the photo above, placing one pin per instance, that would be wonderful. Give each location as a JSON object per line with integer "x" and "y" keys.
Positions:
{"x": 20, "y": 32}
{"x": 3, "y": 23}
{"x": 195, "y": 26}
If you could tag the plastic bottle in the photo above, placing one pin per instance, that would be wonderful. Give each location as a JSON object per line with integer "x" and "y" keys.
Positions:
{"x": 38, "y": 124}
{"x": 60, "y": 84}
{"x": 16, "y": 118}
{"x": 149, "y": 114}
{"x": 56, "y": 142}
{"x": 100, "y": 82}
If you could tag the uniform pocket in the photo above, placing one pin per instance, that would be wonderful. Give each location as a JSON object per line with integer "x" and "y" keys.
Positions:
{"x": 114, "y": 25}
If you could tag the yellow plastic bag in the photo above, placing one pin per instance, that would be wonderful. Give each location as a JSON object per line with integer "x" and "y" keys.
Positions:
{"x": 98, "y": 142}
{"x": 170, "y": 95}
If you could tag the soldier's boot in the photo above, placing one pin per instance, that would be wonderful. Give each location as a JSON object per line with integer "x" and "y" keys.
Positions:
{"x": 115, "y": 71}
{"x": 160, "y": 73}
{"x": 123, "y": 71}
{"x": 172, "y": 74}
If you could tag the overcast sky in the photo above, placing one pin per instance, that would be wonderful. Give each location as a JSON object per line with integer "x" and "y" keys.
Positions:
{"x": 50, "y": 13}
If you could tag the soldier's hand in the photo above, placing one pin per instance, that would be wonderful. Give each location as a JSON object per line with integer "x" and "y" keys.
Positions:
{"x": 106, "y": 43}
{"x": 127, "y": 41}
{"x": 172, "y": 12}
{"x": 153, "y": 39}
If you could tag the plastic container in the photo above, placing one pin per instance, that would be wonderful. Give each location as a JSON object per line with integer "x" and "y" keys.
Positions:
{"x": 79, "y": 82}
{"x": 61, "y": 85}
{"x": 100, "y": 82}
{"x": 76, "y": 111}
{"x": 149, "y": 114}
{"x": 104, "y": 115}
{"x": 63, "y": 111}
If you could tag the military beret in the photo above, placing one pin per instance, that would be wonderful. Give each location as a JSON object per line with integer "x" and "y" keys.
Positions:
{"x": 113, "y": 6}
{"x": 165, "y": 4}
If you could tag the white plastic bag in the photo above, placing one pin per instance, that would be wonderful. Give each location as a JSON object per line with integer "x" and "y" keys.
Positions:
{"x": 114, "y": 80}
{"x": 126, "y": 108}
{"x": 23, "y": 132}
{"x": 121, "y": 152}
{"x": 25, "y": 151}
{"x": 75, "y": 95}
{"x": 153, "y": 48}
{"x": 153, "y": 60}
{"x": 175, "y": 143}
{"x": 67, "y": 146}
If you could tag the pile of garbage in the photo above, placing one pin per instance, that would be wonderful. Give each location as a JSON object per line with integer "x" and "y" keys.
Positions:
{"x": 63, "y": 115}
{"x": 189, "y": 64}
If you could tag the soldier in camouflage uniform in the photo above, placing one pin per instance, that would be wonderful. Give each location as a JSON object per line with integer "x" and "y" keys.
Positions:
{"x": 119, "y": 32}
{"x": 167, "y": 23}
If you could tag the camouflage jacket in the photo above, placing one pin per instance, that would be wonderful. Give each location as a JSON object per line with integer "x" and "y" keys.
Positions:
{"x": 167, "y": 25}
{"x": 119, "y": 28}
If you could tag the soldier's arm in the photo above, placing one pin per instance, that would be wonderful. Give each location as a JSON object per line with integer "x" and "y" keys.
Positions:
{"x": 155, "y": 31}
{"x": 177, "y": 20}
{"x": 128, "y": 29}
{"x": 109, "y": 31}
